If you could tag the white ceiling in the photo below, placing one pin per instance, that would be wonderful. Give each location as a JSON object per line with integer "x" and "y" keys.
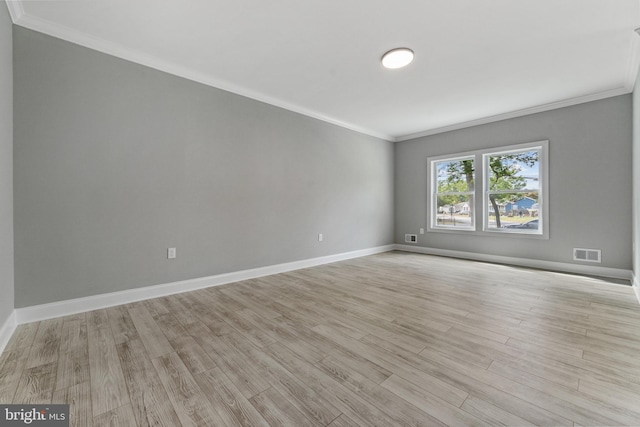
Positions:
{"x": 476, "y": 61}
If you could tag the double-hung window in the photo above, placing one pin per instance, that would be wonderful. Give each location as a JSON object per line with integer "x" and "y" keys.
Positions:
{"x": 454, "y": 193}
{"x": 512, "y": 191}
{"x": 494, "y": 191}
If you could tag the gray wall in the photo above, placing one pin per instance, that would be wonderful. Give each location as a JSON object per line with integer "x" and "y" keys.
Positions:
{"x": 116, "y": 162}
{"x": 636, "y": 178}
{"x": 6, "y": 165}
{"x": 589, "y": 180}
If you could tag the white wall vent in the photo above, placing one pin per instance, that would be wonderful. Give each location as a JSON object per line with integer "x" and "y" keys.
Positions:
{"x": 411, "y": 238}
{"x": 589, "y": 255}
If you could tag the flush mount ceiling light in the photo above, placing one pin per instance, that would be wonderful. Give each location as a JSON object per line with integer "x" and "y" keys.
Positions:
{"x": 397, "y": 58}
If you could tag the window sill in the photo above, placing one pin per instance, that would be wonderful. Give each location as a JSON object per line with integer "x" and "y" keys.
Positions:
{"x": 492, "y": 233}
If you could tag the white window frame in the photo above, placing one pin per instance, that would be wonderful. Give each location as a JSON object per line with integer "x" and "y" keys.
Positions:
{"x": 481, "y": 192}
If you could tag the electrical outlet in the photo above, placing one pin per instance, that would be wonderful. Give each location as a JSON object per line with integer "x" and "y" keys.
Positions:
{"x": 320, "y": 237}
{"x": 422, "y": 231}
{"x": 171, "y": 253}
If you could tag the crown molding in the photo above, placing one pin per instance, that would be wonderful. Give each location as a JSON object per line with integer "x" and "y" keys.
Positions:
{"x": 634, "y": 56}
{"x": 634, "y": 61}
{"x": 68, "y": 34}
{"x": 31, "y": 22}
{"x": 15, "y": 10}
{"x": 519, "y": 113}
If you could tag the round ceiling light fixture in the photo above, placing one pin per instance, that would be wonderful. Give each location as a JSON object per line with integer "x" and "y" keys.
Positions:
{"x": 397, "y": 58}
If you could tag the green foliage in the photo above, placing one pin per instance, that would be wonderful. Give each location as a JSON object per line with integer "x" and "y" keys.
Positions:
{"x": 505, "y": 169}
{"x": 452, "y": 200}
{"x": 459, "y": 173}
{"x": 504, "y": 176}
{"x": 459, "y": 178}
{"x": 451, "y": 187}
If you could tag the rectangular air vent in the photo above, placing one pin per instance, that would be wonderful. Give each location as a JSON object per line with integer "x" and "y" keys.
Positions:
{"x": 588, "y": 255}
{"x": 411, "y": 238}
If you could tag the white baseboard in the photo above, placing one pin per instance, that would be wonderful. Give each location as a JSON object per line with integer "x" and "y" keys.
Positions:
{"x": 78, "y": 305}
{"x": 636, "y": 286}
{"x": 589, "y": 270}
{"x": 7, "y": 329}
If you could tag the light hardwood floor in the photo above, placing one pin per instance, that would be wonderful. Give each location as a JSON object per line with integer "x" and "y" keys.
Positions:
{"x": 391, "y": 339}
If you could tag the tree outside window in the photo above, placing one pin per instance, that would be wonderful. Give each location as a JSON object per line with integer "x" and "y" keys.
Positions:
{"x": 513, "y": 189}
{"x": 454, "y": 195}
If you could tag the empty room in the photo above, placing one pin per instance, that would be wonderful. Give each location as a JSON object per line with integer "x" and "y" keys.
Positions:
{"x": 410, "y": 213}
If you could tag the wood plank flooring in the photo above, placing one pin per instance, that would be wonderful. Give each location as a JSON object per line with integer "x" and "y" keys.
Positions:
{"x": 394, "y": 339}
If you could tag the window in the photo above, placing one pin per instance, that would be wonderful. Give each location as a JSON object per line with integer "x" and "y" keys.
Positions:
{"x": 510, "y": 201}
{"x": 512, "y": 191}
{"x": 454, "y": 193}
